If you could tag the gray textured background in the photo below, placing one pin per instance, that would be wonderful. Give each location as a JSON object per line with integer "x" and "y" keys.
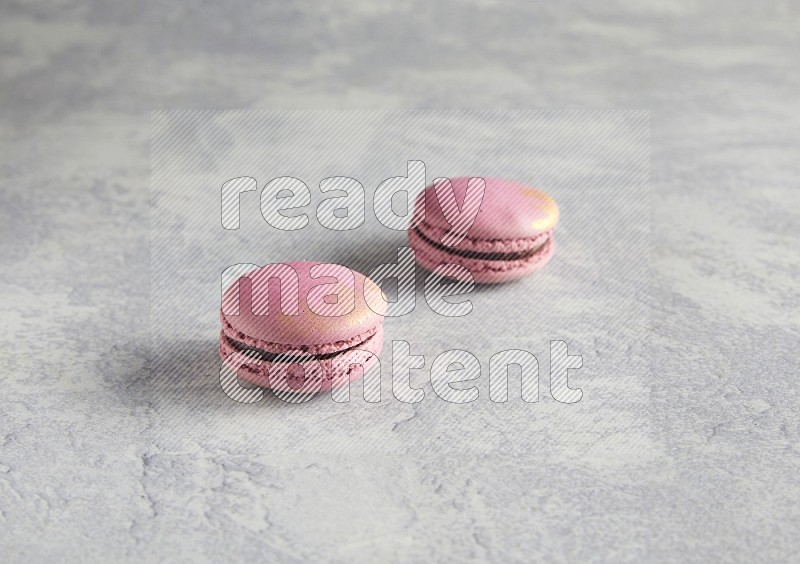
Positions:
{"x": 699, "y": 463}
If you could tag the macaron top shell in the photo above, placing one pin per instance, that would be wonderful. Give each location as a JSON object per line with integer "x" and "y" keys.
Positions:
{"x": 328, "y": 302}
{"x": 509, "y": 210}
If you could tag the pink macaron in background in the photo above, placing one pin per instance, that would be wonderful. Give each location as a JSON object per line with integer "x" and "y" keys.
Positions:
{"x": 281, "y": 315}
{"x": 511, "y": 236}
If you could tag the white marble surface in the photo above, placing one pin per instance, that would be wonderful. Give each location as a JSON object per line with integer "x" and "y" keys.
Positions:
{"x": 99, "y": 461}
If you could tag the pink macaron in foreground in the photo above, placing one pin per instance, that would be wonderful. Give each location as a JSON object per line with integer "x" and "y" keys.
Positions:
{"x": 511, "y": 236}
{"x": 280, "y": 316}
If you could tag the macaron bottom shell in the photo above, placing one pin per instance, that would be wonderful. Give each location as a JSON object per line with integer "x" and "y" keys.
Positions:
{"x": 327, "y": 371}
{"x": 483, "y": 270}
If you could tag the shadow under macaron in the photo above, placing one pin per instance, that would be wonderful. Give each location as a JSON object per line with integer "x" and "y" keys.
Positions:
{"x": 188, "y": 372}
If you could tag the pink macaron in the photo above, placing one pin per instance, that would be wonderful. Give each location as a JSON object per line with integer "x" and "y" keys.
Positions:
{"x": 304, "y": 326}
{"x": 511, "y": 235}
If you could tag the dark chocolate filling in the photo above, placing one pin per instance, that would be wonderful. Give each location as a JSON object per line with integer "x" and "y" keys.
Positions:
{"x": 267, "y": 356}
{"x": 479, "y": 255}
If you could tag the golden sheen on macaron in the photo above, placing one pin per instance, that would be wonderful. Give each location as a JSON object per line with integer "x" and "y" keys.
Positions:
{"x": 511, "y": 235}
